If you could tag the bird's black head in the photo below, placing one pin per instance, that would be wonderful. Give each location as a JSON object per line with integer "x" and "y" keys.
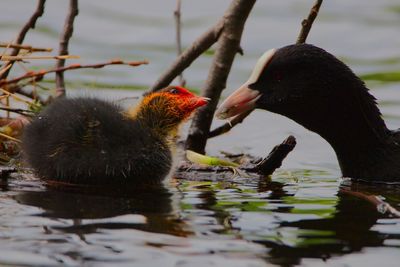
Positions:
{"x": 302, "y": 82}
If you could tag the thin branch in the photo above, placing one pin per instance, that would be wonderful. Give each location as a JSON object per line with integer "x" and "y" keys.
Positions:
{"x": 24, "y": 112}
{"x": 25, "y": 47}
{"x": 16, "y": 97}
{"x": 41, "y": 73}
{"x": 21, "y": 36}
{"x": 14, "y": 88}
{"x": 64, "y": 41}
{"x": 274, "y": 160}
{"x": 178, "y": 26}
{"x": 306, "y": 27}
{"x": 22, "y": 58}
{"x": 9, "y": 137}
{"x": 307, "y": 23}
{"x": 192, "y": 171}
{"x": 228, "y": 44}
{"x": 381, "y": 206}
{"x": 229, "y": 125}
{"x": 6, "y": 68}
{"x": 199, "y": 46}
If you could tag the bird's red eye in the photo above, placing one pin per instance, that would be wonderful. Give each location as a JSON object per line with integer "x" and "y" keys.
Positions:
{"x": 174, "y": 91}
{"x": 277, "y": 76}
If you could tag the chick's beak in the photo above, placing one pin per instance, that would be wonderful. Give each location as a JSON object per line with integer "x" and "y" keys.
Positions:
{"x": 200, "y": 101}
{"x": 242, "y": 100}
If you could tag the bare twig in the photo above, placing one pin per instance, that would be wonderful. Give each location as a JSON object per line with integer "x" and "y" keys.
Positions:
{"x": 39, "y": 99}
{"x": 307, "y": 23}
{"x": 19, "y": 88}
{"x": 229, "y": 125}
{"x": 6, "y": 68}
{"x": 26, "y": 47}
{"x": 24, "y": 112}
{"x": 274, "y": 160}
{"x": 41, "y": 73}
{"x": 18, "y": 98}
{"x": 21, "y": 58}
{"x": 178, "y": 26}
{"x": 381, "y": 206}
{"x": 21, "y": 36}
{"x": 215, "y": 173}
{"x": 199, "y": 46}
{"x": 9, "y": 137}
{"x": 228, "y": 44}
{"x": 306, "y": 27}
{"x": 63, "y": 50}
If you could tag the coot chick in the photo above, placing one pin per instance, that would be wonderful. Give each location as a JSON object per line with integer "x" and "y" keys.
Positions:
{"x": 87, "y": 141}
{"x": 312, "y": 87}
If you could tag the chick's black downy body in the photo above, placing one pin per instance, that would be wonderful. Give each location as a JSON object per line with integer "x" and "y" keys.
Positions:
{"x": 90, "y": 141}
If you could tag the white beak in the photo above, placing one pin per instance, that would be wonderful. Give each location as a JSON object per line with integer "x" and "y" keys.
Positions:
{"x": 244, "y": 98}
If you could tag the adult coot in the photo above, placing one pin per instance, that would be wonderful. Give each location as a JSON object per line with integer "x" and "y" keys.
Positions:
{"x": 88, "y": 141}
{"x": 312, "y": 87}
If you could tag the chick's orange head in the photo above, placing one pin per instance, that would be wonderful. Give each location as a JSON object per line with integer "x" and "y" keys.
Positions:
{"x": 169, "y": 106}
{"x": 182, "y": 100}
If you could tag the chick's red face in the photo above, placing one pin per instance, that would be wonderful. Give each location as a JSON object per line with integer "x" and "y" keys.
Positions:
{"x": 185, "y": 101}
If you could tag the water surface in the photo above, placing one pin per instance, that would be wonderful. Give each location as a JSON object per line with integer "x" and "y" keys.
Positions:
{"x": 303, "y": 216}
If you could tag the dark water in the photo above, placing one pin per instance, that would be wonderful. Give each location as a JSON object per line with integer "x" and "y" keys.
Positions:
{"x": 303, "y": 216}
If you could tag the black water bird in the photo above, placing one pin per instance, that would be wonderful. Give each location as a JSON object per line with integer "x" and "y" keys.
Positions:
{"x": 93, "y": 142}
{"x": 312, "y": 87}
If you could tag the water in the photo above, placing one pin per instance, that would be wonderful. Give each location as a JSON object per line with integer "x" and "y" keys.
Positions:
{"x": 302, "y": 217}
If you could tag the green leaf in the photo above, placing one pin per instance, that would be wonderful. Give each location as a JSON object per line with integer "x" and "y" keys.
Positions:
{"x": 207, "y": 160}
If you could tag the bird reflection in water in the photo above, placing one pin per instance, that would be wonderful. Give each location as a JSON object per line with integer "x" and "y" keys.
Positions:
{"x": 351, "y": 227}
{"x": 155, "y": 204}
{"x": 347, "y": 231}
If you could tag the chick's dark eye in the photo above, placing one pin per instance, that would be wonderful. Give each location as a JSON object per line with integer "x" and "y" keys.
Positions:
{"x": 174, "y": 91}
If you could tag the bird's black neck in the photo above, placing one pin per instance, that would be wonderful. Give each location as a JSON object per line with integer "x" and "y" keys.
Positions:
{"x": 353, "y": 126}
{"x": 360, "y": 142}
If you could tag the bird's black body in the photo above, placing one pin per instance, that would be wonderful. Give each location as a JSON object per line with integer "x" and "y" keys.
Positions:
{"x": 89, "y": 141}
{"x": 312, "y": 87}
